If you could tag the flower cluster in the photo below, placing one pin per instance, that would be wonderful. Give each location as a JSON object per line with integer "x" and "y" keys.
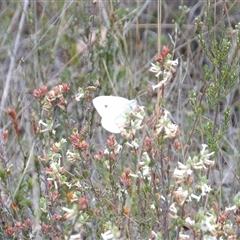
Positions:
{"x": 164, "y": 67}
{"x": 26, "y": 226}
{"x": 40, "y": 93}
{"x": 133, "y": 121}
{"x": 78, "y": 142}
{"x": 113, "y": 148}
{"x": 166, "y": 126}
{"x": 125, "y": 178}
{"x": 189, "y": 190}
{"x": 49, "y": 100}
{"x": 52, "y": 98}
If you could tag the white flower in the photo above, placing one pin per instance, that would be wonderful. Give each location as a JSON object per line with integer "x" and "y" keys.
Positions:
{"x": 166, "y": 78}
{"x": 204, "y": 147}
{"x": 164, "y": 123}
{"x": 231, "y": 208}
{"x": 208, "y": 224}
{"x": 63, "y": 140}
{"x": 203, "y": 161}
{"x": 205, "y": 189}
{"x": 144, "y": 170}
{"x": 45, "y": 127}
{"x": 175, "y": 62}
{"x": 106, "y": 151}
{"x": 136, "y": 124}
{"x": 173, "y": 209}
{"x": 172, "y": 63}
{"x": 72, "y": 156}
{"x": 155, "y": 69}
{"x": 133, "y": 144}
{"x": 152, "y": 206}
{"x": 145, "y": 158}
{"x": 133, "y": 175}
{"x": 195, "y": 197}
{"x": 153, "y": 235}
{"x": 183, "y": 236}
{"x": 205, "y": 155}
{"x": 79, "y": 95}
{"x": 182, "y": 166}
{"x": 117, "y": 148}
{"x": 140, "y": 113}
{"x": 180, "y": 195}
{"x": 74, "y": 237}
{"x": 189, "y": 221}
{"x": 209, "y": 237}
{"x": 68, "y": 210}
{"x": 159, "y": 85}
{"x": 107, "y": 235}
{"x": 182, "y": 172}
{"x": 55, "y": 166}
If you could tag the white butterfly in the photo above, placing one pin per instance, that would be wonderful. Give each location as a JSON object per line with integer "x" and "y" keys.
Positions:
{"x": 113, "y": 111}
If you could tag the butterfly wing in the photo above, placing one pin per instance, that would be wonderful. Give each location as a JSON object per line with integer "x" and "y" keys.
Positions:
{"x": 109, "y": 105}
{"x": 112, "y": 110}
{"x": 111, "y": 125}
